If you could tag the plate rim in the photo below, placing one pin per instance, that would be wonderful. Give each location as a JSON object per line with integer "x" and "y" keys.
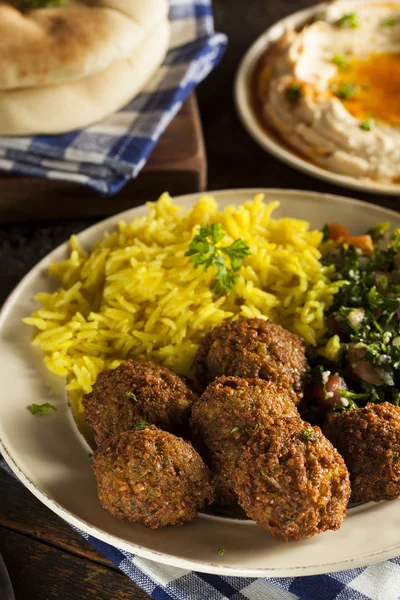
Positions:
{"x": 160, "y": 557}
{"x": 267, "y": 142}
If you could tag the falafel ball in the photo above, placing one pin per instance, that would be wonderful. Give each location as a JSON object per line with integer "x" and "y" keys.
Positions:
{"x": 228, "y": 413}
{"x": 252, "y": 348}
{"x": 137, "y": 390}
{"x": 369, "y": 440}
{"x": 151, "y": 477}
{"x": 292, "y": 481}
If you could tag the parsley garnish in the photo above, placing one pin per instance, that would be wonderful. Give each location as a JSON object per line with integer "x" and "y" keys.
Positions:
{"x": 391, "y": 22}
{"x": 90, "y": 454}
{"x": 346, "y": 91}
{"x": 221, "y": 551}
{"x": 31, "y": 4}
{"x": 368, "y": 124}
{"x": 41, "y": 408}
{"x": 293, "y": 93}
{"x": 204, "y": 251}
{"x": 140, "y": 425}
{"x": 350, "y": 20}
{"x": 234, "y": 430}
{"x": 131, "y": 395}
{"x": 341, "y": 62}
{"x": 308, "y": 434}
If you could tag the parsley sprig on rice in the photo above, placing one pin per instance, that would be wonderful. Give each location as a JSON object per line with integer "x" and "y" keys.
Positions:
{"x": 136, "y": 294}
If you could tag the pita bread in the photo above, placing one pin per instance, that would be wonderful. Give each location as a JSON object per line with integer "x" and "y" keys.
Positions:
{"x": 145, "y": 12}
{"x": 70, "y": 106}
{"x": 73, "y": 41}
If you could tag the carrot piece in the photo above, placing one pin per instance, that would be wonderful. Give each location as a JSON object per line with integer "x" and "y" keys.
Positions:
{"x": 337, "y": 232}
{"x": 362, "y": 241}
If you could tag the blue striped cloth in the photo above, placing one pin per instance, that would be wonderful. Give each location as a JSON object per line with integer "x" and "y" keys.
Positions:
{"x": 376, "y": 582}
{"x": 106, "y": 155}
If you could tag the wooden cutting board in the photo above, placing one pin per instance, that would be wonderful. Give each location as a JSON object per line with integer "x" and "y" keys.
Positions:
{"x": 178, "y": 165}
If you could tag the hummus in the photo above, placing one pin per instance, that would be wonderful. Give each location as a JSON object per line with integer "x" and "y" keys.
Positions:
{"x": 332, "y": 89}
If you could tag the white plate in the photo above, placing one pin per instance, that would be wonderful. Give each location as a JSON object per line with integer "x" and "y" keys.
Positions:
{"x": 51, "y": 458}
{"x": 270, "y": 141}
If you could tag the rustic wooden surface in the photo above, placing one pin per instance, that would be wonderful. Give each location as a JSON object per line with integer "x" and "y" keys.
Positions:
{"x": 178, "y": 164}
{"x": 46, "y": 558}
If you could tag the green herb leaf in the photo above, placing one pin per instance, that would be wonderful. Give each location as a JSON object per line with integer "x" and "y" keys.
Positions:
{"x": 293, "y": 93}
{"x": 41, "y": 408}
{"x": 391, "y": 21}
{"x": 90, "y": 454}
{"x": 308, "y": 434}
{"x": 203, "y": 251}
{"x": 341, "y": 62}
{"x": 395, "y": 242}
{"x": 368, "y": 124}
{"x": 349, "y": 20}
{"x": 378, "y": 231}
{"x": 325, "y": 232}
{"x": 234, "y": 430}
{"x": 224, "y": 282}
{"x": 31, "y": 4}
{"x": 351, "y": 397}
{"x": 348, "y": 395}
{"x": 396, "y": 397}
{"x": 346, "y": 91}
{"x": 131, "y": 395}
{"x": 236, "y": 253}
{"x": 316, "y": 375}
{"x": 221, "y": 551}
{"x": 140, "y": 425}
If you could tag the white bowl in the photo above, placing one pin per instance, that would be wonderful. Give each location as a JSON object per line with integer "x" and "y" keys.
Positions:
{"x": 50, "y": 456}
{"x": 270, "y": 141}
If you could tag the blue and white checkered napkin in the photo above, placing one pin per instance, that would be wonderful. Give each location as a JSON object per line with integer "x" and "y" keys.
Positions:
{"x": 377, "y": 582}
{"x": 106, "y": 155}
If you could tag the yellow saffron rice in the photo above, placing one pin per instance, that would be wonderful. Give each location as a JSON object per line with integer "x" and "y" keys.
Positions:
{"x": 137, "y": 295}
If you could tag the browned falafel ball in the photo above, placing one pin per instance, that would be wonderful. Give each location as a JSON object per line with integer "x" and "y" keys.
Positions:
{"x": 292, "y": 481}
{"x": 137, "y": 390}
{"x": 152, "y": 477}
{"x": 228, "y": 413}
{"x": 369, "y": 440}
{"x": 252, "y": 348}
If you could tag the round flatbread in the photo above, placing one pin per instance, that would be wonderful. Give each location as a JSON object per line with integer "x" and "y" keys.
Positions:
{"x": 58, "y": 109}
{"x": 145, "y": 12}
{"x": 73, "y": 41}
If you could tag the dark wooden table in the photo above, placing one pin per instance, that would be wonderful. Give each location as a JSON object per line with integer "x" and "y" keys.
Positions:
{"x": 46, "y": 559}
